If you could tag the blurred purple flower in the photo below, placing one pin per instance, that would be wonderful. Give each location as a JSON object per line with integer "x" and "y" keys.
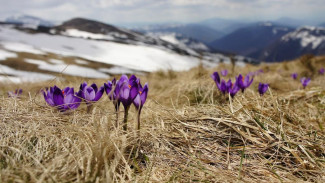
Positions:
{"x": 220, "y": 84}
{"x": 64, "y": 99}
{"x": 244, "y": 82}
{"x": 15, "y": 94}
{"x": 262, "y": 88}
{"x": 224, "y": 86}
{"x": 90, "y": 93}
{"x": 233, "y": 88}
{"x": 321, "y": 71}
{"x": 216, "y": 78}
{"x": 224, "y": 72}
{"x": 294, "y": 75}
{"x": 304, "y": 81}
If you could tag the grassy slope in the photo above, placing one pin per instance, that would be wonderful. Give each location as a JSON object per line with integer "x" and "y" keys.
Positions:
{"x": 189, "y": 132}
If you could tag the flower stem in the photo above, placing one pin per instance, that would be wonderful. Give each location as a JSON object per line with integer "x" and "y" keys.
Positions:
{"x": 117, "y": 114}
{"x": 89, "y": 108}
{"x": 139, "y": 120}
{"x": 125, "y": 121}
{"x": 139, "y": 112}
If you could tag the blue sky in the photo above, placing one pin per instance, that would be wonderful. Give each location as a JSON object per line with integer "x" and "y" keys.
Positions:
{"x": 162, "y": 11}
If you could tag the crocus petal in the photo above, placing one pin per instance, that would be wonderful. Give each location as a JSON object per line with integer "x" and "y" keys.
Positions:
{"x": 144, "y": 94}
{"x": 137, "y": 101}
{"x": 133, "y": 91}
{"x": 224, "y": 72}
{"x": 262, "y": 88}
{"x": 99, "y": 93}
{"x": 83, "y": 85}
{"x": 68, "y": 99}
{"x": 89, "y": 93}
{"x": 58, "y": 97}
{"x": 250, "y": 82}
{"x": 75, "y": 103}
{"x": 48, "y": 98}
{"x": 215, "y": 76}
{"x": 114, "y": 81}
{"x": 124, "y": 92}
{"x": 94, "y": 86}
{"x": 133, "y": 78}
{"x": 122, "y": 80}
{"x": 108, "y": 87}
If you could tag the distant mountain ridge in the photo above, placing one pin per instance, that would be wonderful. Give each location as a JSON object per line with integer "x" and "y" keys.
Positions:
{"x": 199, "y": 32}
{"x": 303, "y": 40}
{"x": 249, "y": 40}
{"x": 28, "y": 20}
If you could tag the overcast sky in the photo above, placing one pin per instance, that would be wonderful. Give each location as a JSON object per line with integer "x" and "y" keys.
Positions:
{"x": 162, "y": 11}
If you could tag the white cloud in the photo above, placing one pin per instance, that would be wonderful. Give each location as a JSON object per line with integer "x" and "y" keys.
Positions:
{"x": 116, "y": 11}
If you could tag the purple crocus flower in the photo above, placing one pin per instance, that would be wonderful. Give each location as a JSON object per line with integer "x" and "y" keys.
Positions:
{"x": 232, "y": 88}
{"x": 262, "y": 88}
{"x": 294, "y": 75}
{"x": 128, "y": 90}
{"x": 304, "y": 81}
{"x": 64, "y": 99}
{"x": 140, "y": 99}
{"x": 221, "y": 84}
{"x": 15, "y": 94}
{"x": 90, "y": 93}
{"x": 224, "y": 72}
{"x": 321, "y": 71}
{"x": 244, "y": 82}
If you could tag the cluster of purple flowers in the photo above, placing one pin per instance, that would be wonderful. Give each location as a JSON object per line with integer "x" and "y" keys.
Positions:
{"x": 304, "y": 81}
{"x": 15, "y": 94}
{"x": 241, "y": 83}
{"x": 125, "y": 90}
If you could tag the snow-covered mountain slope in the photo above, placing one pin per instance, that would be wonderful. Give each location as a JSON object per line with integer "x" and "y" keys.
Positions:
{"x": 307, "y": 36}
{"x": 181, "y": 41}
{"x": 304, "y": 40}
{"x": 138, "y": 57}
{"x": 28, "y": 21}
{"x": 90, "y": 29}
{"x": 76, "y": 48}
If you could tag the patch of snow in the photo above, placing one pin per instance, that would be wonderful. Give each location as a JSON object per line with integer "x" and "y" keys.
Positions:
{"x": 274, "y": 31}
{"x": 268, "y": 24}
{"x": 20, "y": 47}
{"x": 169, "y": 38}
{"x": 10, "y": 79}
{"x": 86, "y": 35}
{"x": 117, "y": 70}
{"x": 135, "y": 57}
{"x": 6, "y": 54}
{"x": 307, "y": 35}
{"x": 182, "y": 42}
{"x": 23, "y": 76}
{"x": 55, "y": 61}
{"x": 240, "y": 64}
{"x": 82, "y": 62}
{"x": 73, "y": 70}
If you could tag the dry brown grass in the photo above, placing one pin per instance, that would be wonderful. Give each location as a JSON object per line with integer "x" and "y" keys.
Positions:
{"x": 190, "y": 133}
